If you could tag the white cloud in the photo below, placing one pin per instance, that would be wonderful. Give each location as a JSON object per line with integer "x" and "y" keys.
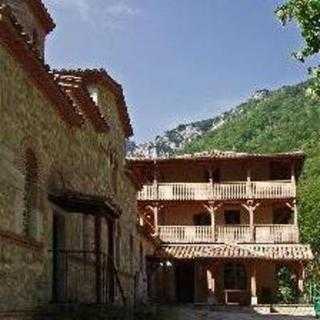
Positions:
{"x": 109, "y": 13}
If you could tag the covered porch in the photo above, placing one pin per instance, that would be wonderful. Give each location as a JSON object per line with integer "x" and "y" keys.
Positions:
{"x": 226, "y": 275}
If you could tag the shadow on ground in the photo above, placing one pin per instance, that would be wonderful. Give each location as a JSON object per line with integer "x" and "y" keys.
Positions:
{"x": 194, "y": 314}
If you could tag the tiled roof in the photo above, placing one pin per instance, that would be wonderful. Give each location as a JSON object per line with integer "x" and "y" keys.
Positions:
{"x": 18, "y": 43}
{"x": 255, "y": 251}
{"x": 74, "y": 88}
{"x": 101, "y": 76}
{"x": 217, "y": 154}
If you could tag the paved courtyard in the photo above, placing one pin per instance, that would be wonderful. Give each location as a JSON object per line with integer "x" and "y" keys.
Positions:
{"x": 189, "y": 313}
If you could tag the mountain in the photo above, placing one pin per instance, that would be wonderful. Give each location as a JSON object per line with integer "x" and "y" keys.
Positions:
{"x": 283, "y": 120}
{"x": 172, "y": 141}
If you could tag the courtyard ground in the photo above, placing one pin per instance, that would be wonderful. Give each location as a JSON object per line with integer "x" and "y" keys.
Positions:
{"x": 191, "y": 313}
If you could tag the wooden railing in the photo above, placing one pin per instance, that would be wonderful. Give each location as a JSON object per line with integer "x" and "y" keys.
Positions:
{"x": 229, "y": 234}
{"x": 276, "y": 233}
{"x": 241, "y": 234}
{"x": 218, "y": 191}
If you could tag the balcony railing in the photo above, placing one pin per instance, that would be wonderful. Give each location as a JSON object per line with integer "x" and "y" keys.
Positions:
{"x": 218, "y": 191}
{"x": 229, "y": 234}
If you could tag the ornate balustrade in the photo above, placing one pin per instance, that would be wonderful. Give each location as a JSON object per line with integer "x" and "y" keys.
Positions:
{"x": 276, "y": 233}
{"x": 218, "y": 191}
{"x": 229, "y": 234}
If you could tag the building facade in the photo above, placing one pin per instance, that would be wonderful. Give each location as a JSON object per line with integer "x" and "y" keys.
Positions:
{"x": 67, "y": 201}
{"x": 226, "y": 222}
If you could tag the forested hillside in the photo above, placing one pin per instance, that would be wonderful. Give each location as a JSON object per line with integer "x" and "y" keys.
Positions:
{"x": 284, "y": 120}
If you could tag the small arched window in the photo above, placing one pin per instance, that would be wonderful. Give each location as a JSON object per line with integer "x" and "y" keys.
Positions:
{"x": 30, "y": 194}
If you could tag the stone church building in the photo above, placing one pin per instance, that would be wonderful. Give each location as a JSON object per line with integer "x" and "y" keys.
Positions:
{"x": 67, "y": 200}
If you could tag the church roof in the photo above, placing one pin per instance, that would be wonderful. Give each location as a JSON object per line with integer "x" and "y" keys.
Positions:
{"x": 75, "y": 89}
{"x": 244, "y": 251}
{"x": 41, "y": 12}
{"x": 102, "y": 77}
{"x": 19, "y": 45}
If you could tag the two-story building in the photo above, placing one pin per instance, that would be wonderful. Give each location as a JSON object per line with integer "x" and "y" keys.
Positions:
{"x": 227, "y": 222}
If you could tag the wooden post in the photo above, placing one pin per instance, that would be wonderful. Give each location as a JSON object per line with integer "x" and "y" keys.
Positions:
{"x": 249, "y": 191}
{"x": 248, "y": 174}
{"x": 253, "y": 280}
{"x": 251, "y": 207}
{"x": 301, "y": 276}
{"x": 155, "y": 214}
{"x": 295, "y": 213}
{"x": 155, "y": 180}
{"x": 213, "y": 223}
{"x": 211, "y": 181}
{"x": 251, "y": 214}
{"x": 212, "y": 208}
{"x": 293, "y": 173}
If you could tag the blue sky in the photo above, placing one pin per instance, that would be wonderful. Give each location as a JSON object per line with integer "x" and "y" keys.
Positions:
{"x": 178, "y": 60}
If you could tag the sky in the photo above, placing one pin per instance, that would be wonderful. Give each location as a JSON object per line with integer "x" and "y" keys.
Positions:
{"x": 177, "y": 60}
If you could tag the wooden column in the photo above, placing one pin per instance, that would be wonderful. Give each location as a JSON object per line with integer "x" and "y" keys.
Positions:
{"x": 295, "y": 213}
{"x": 293, "y": 206}
{"x": 300, "y": 279}
{"x": 251, "y": 207}
{"x": 249, "y": 191}
{"x": 211, "y": 182}
{"x": 155, "y": 180}
{"x": 248, "y": 174}
{"x": 253, "y": 282}
{"x": 293, "y": 173}
{"x": 212, "y": 208}
{"x": 155, "y": 215}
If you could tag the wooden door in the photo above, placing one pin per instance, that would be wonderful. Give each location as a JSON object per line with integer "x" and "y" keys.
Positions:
{"x": 185, "y": 282}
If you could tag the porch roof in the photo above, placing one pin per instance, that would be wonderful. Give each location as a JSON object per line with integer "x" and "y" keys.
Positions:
{"x": 245, "y": 251}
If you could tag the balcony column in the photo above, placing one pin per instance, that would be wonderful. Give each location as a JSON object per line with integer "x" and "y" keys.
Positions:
{"x": 212, "y": 208}
{"x": 253, "y": 283}
{"x": 293, "y": 173}
{"x": 155, "y": 180}
{"x": 155, "y": 210}
{"x": 249, "y": 191}
{"x": 251, "y": 207}
{"x": 295, "y": 213}
{"x": 155, "y": 215}
{"x": 293, "y": 206}
{"x": 301, "y": 277}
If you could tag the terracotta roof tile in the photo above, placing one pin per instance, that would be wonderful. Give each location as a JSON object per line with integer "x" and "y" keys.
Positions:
{"x": 101, "y": 76}
{"x": 255, "y": 251}
{"x": 74, "y": 88}
{"x": 218, "y": 154}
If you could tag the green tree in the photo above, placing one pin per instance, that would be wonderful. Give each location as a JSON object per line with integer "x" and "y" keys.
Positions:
{"x": 306, "y": 13}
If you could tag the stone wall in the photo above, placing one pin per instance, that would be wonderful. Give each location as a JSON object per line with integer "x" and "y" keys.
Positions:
{"x": 29, "y": 22}
{"x": 73, "y": 159}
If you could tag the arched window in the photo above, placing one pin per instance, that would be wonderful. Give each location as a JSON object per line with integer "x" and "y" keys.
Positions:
{"x": 30, "y": 194}
{"x": 235, "y": 276}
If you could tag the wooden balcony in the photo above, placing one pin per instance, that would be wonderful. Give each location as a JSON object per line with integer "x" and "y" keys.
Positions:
{"x": 229, "y": 234}
{"x": 218, "y": 191}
